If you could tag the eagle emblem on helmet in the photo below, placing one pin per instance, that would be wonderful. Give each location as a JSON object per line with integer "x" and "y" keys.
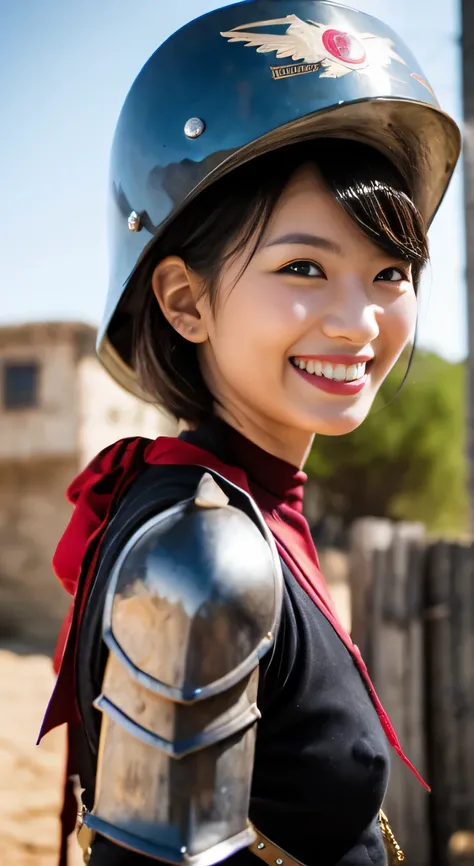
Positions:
{"x": 320, "y": 47}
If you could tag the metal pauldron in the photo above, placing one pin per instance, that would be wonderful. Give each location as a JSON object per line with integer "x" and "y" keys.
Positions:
{"x": 191, "y": 608}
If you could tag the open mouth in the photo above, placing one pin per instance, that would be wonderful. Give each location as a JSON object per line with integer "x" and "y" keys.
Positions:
{"x": 336, "y": 372}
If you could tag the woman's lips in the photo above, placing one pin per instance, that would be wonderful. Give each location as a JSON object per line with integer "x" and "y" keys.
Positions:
{"x": 330, "y": 385}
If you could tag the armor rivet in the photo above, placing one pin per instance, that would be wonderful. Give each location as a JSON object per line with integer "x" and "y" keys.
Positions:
{"x": 134, "y": 222}
{"x": 268, "y": 635}
{"x": 194, "y": 127}
{"x": 279, "y": 861}
{"x": 260, "y": 846}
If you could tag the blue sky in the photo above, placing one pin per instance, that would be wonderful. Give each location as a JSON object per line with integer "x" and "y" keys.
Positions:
{"x": 65, "y": 68}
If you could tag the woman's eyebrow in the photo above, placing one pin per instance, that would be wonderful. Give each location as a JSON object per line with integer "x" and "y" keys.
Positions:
{"x": 307, "y": 239}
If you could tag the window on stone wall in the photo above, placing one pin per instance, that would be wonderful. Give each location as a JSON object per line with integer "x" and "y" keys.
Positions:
{"x": 20, "y": 385}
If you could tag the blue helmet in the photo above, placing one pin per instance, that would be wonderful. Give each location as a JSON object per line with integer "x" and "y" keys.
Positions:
{"x": 244, "y": 80}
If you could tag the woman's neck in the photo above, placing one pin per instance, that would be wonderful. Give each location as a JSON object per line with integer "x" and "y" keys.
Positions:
{"x": 293, "y": 446}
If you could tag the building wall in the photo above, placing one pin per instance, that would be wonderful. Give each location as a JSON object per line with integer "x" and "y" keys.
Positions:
{"x": 50, "y": 427}
{"x": 33, "y": 515}
{"x": 79, "y": 411}
{"x": 108, "y": 413}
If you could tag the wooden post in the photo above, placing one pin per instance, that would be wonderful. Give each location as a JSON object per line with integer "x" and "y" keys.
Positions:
{"x": 450, "y": 699}
{"x": 408, "y": 567}
{"x": 386, "y": 588}
{"x": 368, "y": 536}
{"x": 467, "y": 7}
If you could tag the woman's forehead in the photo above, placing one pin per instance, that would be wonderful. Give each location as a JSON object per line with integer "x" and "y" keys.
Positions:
{"x": 306, "y": 198}
{"x": 306, "y": 179}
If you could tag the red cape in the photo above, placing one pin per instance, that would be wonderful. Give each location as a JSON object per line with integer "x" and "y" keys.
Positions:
{"x": 94, "y": 494}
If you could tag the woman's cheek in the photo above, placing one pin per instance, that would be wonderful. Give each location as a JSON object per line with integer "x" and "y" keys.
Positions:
{"x": 397, "y": 328}
{"x": 282, "y": 318}
{"x": 264, "y": 323}
{"x": 400, "y": 322}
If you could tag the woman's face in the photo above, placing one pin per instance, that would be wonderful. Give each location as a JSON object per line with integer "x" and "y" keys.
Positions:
{"x": 302, "y": 340}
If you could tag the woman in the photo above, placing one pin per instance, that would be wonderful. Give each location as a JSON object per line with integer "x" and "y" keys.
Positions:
{"x": 272, "y": 184}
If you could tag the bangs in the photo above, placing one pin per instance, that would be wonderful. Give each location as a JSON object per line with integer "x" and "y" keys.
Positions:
{"x": 375, "y": 197}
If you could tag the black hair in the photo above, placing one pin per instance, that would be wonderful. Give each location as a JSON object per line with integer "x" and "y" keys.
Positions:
{"x": 234, "y": 213}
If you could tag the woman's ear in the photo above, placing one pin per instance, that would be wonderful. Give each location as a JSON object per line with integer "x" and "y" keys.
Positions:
{"x": 177, "y": 290}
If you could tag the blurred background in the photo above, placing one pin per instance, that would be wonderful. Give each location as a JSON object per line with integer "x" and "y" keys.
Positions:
{"x": 389, "y": 506}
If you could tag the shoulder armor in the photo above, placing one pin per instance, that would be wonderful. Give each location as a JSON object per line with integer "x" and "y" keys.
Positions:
{"x": 192, "y": 605}
{"x": 192, "y": 578}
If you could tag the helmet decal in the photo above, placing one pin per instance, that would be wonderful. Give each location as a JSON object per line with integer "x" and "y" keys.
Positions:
{"x": 320, "y": 47}
{"x": 423, "y": 82}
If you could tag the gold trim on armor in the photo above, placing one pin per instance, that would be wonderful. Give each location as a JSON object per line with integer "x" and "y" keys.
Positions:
{"x": 394, "y": 852}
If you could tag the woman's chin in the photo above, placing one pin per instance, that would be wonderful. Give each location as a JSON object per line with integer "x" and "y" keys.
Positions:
{"x": 337, "y": 422}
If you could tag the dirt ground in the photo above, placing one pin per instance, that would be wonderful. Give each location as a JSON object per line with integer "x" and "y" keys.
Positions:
{"x": 30, "y": 776}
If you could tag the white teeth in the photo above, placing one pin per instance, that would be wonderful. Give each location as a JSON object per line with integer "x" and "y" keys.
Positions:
{"x": 328, "y": 370}
{"x": 338, "y": 372}
{"x": 351, "y": 372}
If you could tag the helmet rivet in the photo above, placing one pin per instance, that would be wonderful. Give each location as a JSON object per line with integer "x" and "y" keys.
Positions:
{"x": 134, "y": 222}
{"x": 194, "y": 127}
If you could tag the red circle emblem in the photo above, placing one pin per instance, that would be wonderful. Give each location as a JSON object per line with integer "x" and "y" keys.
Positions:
{"x": 344, "y": 46}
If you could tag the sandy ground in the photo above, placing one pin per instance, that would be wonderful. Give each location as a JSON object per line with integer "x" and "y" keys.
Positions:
{"x": 30, "y": 776}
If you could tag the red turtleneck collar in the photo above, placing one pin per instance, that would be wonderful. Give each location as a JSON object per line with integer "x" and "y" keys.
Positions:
{"x": 275, "y": 480}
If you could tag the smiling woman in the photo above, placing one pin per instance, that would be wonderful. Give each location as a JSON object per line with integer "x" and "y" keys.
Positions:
{"x": 272, "y": 183}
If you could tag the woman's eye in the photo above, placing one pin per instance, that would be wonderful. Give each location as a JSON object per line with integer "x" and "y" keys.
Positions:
{"x": 302, "y": 268}
{"x": 391, "y": 275}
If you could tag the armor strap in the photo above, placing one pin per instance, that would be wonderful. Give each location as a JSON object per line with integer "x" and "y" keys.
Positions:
{"x": 85, "y": 836}
{"x": 270, "y": 853}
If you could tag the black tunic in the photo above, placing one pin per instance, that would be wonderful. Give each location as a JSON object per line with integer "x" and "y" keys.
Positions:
{"x": 321, "y": 762}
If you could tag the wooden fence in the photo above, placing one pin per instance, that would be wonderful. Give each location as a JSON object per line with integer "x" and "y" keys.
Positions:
{"x": 413, "y": 619}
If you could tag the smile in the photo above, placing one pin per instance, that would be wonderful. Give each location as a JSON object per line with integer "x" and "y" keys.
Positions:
{"x": 333, "y": 377}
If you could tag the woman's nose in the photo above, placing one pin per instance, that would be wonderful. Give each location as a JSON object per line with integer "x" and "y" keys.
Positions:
{"x": 352, "y": 316}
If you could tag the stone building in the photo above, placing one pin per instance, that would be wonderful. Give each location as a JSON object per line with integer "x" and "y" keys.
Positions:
{"x": 58, "y": 408}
